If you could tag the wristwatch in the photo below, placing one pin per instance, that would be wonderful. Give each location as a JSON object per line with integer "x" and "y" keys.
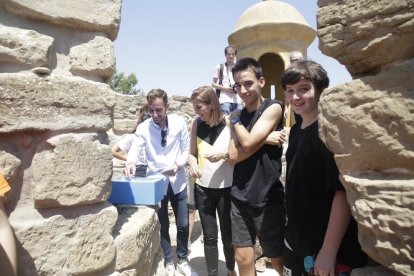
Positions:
{"x": 226, "y": 156}
{"x": 235, "y": 120}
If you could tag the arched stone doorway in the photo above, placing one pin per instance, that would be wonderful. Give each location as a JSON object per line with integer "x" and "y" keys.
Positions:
{"x": 269, "y": 31}
{"x": 273, "y": 67}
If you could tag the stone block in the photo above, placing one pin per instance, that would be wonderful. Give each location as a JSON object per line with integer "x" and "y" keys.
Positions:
{"x": 71, "y": 169}
{"x": 137, "y": 238}
{"x": 71, "y": 241}
{"x": 366, "y": 36}
{"x": 93, "y": 58}
{"x": 31, "y": 103}
{"x": 372, "y": 271}
{"x": 9, "y": 163}
{"x": 26, "y": 47}
{"x": 369, "y": 122}
{"x": 98, "y": 15}
{"x": 383, "y": 205}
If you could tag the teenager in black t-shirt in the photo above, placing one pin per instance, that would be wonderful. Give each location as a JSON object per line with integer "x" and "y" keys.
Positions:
{"x": 321, "y": 235}
{"x": 257, "y": 194}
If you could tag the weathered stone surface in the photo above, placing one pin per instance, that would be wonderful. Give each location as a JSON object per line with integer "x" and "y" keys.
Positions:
{"x": 383, "y": 205}
{"x": 369, "y": 122}
{"x": 9, "y": 163}
{"x": 130, "y": 272}
{"x": 53, "y": 103}
{"x": 53, "y": 146}
{"x": 95, "y": 57}
{"x": 26, "y": 47}
{"x": 98, "y": 15}
{"x": 366, "y": 36}
{"x": 372, "y": 271}
{"x": 16, "y": 151}
{"x": 182, "y": 106}
{"x": 126, "y": 111}
{"x": 71, "y": 169}
{"x": 75, "y": 241}
{"x": 158, "y": 264}
{"x": 118, "y": 166}
{"x": 136, "y": 238}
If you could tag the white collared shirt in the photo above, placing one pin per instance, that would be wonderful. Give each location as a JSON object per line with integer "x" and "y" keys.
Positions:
{"x": 148, "y": 136}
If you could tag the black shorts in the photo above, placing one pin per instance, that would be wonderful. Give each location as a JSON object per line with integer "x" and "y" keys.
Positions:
{"x": 293, "y": 265}
{"x": 267, "y": 223}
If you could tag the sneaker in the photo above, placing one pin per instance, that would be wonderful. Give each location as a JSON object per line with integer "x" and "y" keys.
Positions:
{"x": 184, "y": 268}
{"x": 170, "y": 268}
{"x": 260, "y": 265}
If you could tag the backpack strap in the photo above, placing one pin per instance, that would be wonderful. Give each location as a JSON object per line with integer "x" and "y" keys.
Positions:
{"x": 221, "y": 73}
{"x": 220, "y": 79}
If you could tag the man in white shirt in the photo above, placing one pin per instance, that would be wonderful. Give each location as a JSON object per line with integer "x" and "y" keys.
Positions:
{"x": 223, "y": 81}
{"x": 166, "y": 149}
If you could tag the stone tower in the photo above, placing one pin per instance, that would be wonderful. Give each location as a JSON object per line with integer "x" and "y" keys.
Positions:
{"x": 268, "y": 31}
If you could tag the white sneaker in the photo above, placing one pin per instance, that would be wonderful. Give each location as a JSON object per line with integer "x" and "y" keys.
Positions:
{"x": 170, "y": 268}
{"x": 184, "y": 268}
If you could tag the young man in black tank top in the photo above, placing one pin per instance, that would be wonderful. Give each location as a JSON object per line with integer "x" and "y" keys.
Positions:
{"x": 257, "y": 193}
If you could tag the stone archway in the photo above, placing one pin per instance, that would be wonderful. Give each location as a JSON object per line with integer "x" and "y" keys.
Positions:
{"x": 273, "y": 67}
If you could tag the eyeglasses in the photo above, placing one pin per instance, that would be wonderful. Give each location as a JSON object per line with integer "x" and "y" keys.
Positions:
{"x": 163, "y": 138}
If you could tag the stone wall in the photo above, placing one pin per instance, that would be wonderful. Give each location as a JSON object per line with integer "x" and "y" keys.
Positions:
{"x": 57, "y": 122}
{"x": 369, "y": 122}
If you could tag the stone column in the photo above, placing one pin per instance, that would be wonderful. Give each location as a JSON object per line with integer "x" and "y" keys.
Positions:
{"x": 55, "y": 113}
{"x": 369, "y": 122}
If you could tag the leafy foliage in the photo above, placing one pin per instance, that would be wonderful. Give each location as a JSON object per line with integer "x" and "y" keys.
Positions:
{"x": 125, "y": 84}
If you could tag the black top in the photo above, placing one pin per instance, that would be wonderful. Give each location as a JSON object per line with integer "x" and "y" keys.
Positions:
{"x": 311, "y": 182}
{"x": 207, "y": 133}
{"x": 256, "y": 179}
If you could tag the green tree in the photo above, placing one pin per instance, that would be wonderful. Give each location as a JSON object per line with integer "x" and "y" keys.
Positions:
{"x": 125, "y": 84}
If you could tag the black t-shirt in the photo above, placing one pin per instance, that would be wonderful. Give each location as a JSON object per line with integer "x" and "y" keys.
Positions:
{"x": 207, "y": 133}
{"x": 256, "y": 179}
{"x": 311, "y": 182}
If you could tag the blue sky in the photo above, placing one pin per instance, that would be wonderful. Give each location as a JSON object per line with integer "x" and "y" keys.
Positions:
{"x": 175, "y": 44}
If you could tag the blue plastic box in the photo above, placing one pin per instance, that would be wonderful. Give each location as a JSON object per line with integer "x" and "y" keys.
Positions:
{"x": 139, "y": 190}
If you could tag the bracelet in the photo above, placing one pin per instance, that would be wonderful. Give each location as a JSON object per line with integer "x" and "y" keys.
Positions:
{"x": 235, "y": 120}
{"x": 226, "y": 156}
